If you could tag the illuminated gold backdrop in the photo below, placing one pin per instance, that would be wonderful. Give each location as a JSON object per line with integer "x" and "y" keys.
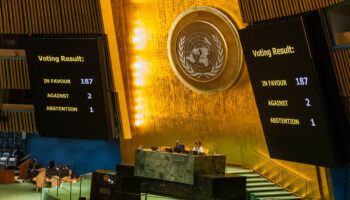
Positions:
{"x": 163, "y": 110}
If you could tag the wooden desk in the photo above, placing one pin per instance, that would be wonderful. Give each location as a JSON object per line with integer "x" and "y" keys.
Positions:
{"x": 69, "y": 180}
{"x": 41, "y": 170}
{"x": 55, "y": 180}
{"x": 41, "y": 180}
{"x": 7, "y": 176}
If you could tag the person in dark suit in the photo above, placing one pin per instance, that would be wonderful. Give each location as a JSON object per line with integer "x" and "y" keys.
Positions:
{"x": 52, "y": 170}
{"x": 15, "y": 152}
{"x": 33, "y": 166}
{"x": 179, "y": 147}
{"x": 66, "y": 171}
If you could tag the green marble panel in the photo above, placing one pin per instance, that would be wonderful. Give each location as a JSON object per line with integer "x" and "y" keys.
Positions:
{"x": 179, "y": 168}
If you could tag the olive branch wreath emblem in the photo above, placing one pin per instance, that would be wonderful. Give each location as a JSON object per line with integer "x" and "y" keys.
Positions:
{"x": 216, "y": 67}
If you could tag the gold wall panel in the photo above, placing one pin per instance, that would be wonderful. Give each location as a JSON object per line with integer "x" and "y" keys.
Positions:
{"x": 107, "y": 15}
{"x": 341, "y": 63}
{"x": 163, "y": 110}
{"x": 50, "y": 17}
{"x": 20, "y": 119}
{"x": 14, "y": 74}
{"x": 261, "y": 10}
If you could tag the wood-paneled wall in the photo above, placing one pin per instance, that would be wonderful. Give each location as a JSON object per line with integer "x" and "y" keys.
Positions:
{"x": 341, "y": 65}
{"x": 261, "y": 10}
{"x": 18, "y": 121}
{"x": 43, "y": 17}
{"x": 50, "y": 17}
{"x": 14, "y": 74}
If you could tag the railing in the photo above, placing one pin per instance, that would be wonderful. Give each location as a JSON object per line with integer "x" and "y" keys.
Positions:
{"x": 64, "y": 189}
{"x": 280, "y": 175}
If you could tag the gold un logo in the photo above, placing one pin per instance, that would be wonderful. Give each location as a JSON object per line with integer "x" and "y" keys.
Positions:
{"x": 204, "y": 50}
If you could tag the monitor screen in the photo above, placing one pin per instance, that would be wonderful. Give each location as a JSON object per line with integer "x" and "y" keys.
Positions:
{"x": 69, "y": 79}
{"x": 291, "y": 86}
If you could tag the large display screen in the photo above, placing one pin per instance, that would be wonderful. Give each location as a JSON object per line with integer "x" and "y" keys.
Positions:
{"x": 291, "y": 99}
{"x": 68, "y": 77}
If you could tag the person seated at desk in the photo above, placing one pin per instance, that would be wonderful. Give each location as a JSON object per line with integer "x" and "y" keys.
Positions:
{"x": 179, "y": 147}
{"x": 198, "y": 149}
{"x": 17, "y": 153}
{"x": 51, "y": 170}
{"x": 32, "y": 169}
{"x": 66, "y": 172}
{"x": 47, "y": 177}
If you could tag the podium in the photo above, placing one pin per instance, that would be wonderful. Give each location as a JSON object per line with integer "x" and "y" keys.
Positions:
{"x": 174, "y": 167}
{"x": 196, "y": 177}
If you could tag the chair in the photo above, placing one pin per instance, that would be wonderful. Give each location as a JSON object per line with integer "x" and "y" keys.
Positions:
{"x": 2, "y": 165}
{"x": 6, "y": 155}
{"x": 164, "y": 148}
{"x": 3, "y": 162}
{"x": 206, "y": 151}
{"x": 12, "y": 162}
{"x": 55, "y": 181}
{"x": 40, "y": 180}
{"x": 4, "y": 159}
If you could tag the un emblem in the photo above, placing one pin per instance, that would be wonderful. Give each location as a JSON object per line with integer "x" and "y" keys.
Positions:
{"x": 204, "y": 50}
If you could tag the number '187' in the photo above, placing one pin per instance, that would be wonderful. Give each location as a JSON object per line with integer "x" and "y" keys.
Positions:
{"x": 86, "y": 81}
{"x": 301, "y": 80}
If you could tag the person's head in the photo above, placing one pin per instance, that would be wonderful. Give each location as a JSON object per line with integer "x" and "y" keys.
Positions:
{"x": 198, "y": 143}
{"x": 177, "y": 142}
{"x": 35, "y": 161}
{"x": 66, "y": 167}
{"x": 52, "y": 164}
{"x": 16, "y": 147}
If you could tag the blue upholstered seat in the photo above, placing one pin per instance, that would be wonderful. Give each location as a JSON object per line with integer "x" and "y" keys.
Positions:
{"x": 6, "y": 155}
{"x": 3, "y": 162}
{"x": 12, "y": 162}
